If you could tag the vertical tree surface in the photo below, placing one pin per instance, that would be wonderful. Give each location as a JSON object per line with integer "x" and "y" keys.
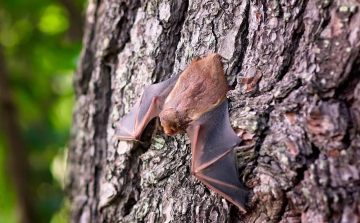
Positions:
{"x": 296, "y": 105}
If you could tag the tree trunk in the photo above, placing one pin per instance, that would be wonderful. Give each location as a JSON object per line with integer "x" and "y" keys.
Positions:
{"x": 296, "y": 103}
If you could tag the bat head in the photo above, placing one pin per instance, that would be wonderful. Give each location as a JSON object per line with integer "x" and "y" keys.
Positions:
{"x": 171, "y": 121}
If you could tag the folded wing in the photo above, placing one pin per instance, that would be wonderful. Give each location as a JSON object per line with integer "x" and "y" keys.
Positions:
{"x": 131, "y": 126}
{"x": 213, "y": 155}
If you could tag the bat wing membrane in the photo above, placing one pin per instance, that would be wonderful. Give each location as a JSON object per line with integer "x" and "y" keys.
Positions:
{"x": 213, "y": 160}
{"x": 131, "y": 126}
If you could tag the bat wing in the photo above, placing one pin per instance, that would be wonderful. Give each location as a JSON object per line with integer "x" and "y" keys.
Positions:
{"x": 213, "y": 155}
{"x": 149, "y": 106}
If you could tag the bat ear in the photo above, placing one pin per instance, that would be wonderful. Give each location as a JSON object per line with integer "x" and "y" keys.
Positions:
{"x": 196, "y": 58}
{"x": 217, "y": 64}
{"x": 215, "y": 56}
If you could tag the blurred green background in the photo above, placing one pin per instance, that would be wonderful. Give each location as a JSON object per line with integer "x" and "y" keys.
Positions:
{"x": 40, "y": 43}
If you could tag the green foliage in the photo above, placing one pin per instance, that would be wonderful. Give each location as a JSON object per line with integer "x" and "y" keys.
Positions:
{"x": 7, "y": 198}
{"x": 40, "y": 60}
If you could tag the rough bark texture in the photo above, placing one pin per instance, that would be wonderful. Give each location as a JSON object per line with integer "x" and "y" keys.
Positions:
{"x": 295, "y": 68}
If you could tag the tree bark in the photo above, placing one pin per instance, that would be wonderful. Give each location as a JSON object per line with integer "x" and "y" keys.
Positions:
{"x": 296, "y": 105}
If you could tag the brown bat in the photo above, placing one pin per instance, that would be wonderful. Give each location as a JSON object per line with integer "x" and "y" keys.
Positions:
{"x": 194, "y": 102}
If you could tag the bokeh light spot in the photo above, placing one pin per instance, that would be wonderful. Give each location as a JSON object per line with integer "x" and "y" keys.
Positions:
{"x": 9, "y": 38}
{"x": 53, "y": 20}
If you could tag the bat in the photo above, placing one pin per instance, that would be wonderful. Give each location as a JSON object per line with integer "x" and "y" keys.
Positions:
{"x": 194, "y": 102}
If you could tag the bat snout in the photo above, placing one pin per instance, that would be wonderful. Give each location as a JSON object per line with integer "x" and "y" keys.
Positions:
{"x": 171, "y": 131}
